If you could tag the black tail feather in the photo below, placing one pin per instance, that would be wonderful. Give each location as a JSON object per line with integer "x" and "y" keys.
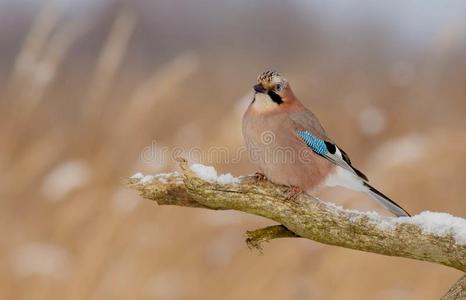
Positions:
{"x": 360, "y": 174}
{"x": 387, "y": 202}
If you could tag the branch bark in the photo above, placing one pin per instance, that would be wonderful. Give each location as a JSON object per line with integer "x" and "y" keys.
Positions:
{"x": 457, "y": 291}
{"x": 305, "y": 217}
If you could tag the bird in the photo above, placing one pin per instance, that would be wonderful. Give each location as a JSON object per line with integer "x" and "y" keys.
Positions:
{"x": 289, "y": 146}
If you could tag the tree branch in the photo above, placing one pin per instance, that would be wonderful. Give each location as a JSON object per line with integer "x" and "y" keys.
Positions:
{"x": 305, "y": 217}
{"x": 256, "y": 238}
{"x": 457, "y": 291}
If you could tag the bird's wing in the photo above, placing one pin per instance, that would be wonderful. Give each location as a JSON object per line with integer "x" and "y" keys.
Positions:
{"x": 311, "y": 132}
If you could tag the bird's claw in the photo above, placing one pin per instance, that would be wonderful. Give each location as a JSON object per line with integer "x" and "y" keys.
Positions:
{"x": 293, "y": 192}
{"x": 260, "y": 176}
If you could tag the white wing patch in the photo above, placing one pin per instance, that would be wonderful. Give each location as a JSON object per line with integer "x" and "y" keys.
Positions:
{"x": 344, "y": 178}
{"x": 337, "y": 158}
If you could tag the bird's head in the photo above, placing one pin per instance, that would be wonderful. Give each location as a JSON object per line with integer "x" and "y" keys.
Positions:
{"x": 270, "y": 80}
{"x": 271, "y": 91}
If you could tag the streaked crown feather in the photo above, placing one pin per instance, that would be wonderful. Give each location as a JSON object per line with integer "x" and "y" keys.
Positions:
{"x": 270, "y": 79}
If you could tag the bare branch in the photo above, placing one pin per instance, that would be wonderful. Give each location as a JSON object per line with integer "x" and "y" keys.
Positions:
{"x": 256, "y": 238}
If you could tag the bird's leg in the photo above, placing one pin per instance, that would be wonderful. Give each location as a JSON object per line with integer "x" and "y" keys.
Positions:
{"x": 260, "y": 176}
{"x": 293, "y": 192}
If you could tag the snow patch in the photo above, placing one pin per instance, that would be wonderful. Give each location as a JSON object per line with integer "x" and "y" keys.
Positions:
{"x": 146, "y": 179}
{"x": 137, "y": 176}
{"x": 209, "y": 174}
{"x": 439, "y": 224}
{"x": 434, "y": 223}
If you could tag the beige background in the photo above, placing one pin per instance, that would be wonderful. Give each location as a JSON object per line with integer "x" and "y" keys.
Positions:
{"x": 87, "y": 86}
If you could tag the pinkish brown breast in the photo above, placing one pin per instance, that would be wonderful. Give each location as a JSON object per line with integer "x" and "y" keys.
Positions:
{"x": 277, "y": 152}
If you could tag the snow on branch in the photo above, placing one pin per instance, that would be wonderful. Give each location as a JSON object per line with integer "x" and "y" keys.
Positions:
{"x": 429, "y": 236}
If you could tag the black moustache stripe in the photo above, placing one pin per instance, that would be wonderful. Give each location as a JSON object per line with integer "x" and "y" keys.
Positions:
{"x": 275, "y": 97}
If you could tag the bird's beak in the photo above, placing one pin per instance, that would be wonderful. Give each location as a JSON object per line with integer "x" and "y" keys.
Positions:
{"x": 259, "y": 88}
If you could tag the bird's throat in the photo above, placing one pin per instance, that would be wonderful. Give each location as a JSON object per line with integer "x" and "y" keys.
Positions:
{"x": 263, "y": 103}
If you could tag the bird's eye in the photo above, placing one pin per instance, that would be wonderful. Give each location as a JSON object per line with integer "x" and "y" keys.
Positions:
{"x": 279, "y": 87}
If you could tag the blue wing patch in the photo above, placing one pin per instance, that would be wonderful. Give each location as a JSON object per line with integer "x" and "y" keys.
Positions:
{"x": 329, "y": 151}
{"x": 317, "y": 145}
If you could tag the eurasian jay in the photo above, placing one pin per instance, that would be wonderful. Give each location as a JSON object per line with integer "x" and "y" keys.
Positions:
{"x": 288, "y": 144}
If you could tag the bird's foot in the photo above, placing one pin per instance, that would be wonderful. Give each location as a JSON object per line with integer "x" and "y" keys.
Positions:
{"x": 293, "y": 192}
{"x": 260, "y": 176}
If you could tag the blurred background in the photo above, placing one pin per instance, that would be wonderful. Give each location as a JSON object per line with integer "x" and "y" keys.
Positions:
{"x": 87, "y": 86}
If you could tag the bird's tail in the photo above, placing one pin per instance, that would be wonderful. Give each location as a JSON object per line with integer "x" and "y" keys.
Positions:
{"x": 386, "y": 202}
